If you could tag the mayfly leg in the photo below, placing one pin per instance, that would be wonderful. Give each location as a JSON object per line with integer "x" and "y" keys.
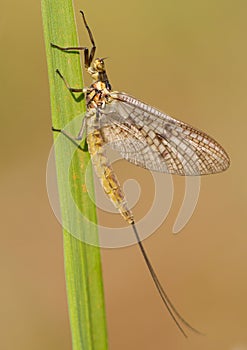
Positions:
{"x": 82, "y": 130}
{"x": 88, "y": 57}
{"x": 71, "y": 138}
{"x": 74, "y": 139}
{"x": 71, "y": 89}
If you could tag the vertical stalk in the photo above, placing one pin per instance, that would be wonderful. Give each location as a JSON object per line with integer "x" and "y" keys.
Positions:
{"x": 82, "y": 261}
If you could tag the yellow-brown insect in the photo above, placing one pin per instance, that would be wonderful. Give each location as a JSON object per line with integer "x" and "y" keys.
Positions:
{"x": 144, "y": 136}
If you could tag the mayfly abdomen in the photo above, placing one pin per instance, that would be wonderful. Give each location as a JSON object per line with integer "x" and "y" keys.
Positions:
{"x": 106, "y": 174}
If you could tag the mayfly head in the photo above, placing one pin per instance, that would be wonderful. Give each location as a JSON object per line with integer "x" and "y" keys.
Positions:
{"x": 99, "y": 65}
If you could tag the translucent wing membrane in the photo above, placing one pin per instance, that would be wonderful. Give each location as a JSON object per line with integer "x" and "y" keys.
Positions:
{"x": 147, "y": 137}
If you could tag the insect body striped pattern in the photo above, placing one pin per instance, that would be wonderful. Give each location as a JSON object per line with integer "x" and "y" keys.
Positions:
{"x": 144, "y": 136}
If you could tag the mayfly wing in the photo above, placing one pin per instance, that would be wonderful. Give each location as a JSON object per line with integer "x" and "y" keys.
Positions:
{"x": 151, "y": 139}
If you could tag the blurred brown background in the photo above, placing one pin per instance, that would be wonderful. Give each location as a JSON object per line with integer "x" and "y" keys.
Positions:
{"x": 187, "y": 58}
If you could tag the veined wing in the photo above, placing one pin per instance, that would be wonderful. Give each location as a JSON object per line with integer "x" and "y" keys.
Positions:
{"x": 148, "y": 138}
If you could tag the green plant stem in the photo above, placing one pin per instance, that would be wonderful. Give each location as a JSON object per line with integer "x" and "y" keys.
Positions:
{"x": 82, "y": 261}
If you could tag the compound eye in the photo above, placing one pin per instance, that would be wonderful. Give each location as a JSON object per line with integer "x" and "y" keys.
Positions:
{"x": 100, "y": 65}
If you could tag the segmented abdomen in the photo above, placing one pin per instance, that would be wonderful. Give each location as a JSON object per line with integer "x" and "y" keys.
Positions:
{"x": 106, "y": 175}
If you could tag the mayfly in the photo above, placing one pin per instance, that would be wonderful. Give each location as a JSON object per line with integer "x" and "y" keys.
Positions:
{"x": 142, "y": 135}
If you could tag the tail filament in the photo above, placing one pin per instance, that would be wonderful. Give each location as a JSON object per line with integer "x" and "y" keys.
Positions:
{"x": 167, "y": 302}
